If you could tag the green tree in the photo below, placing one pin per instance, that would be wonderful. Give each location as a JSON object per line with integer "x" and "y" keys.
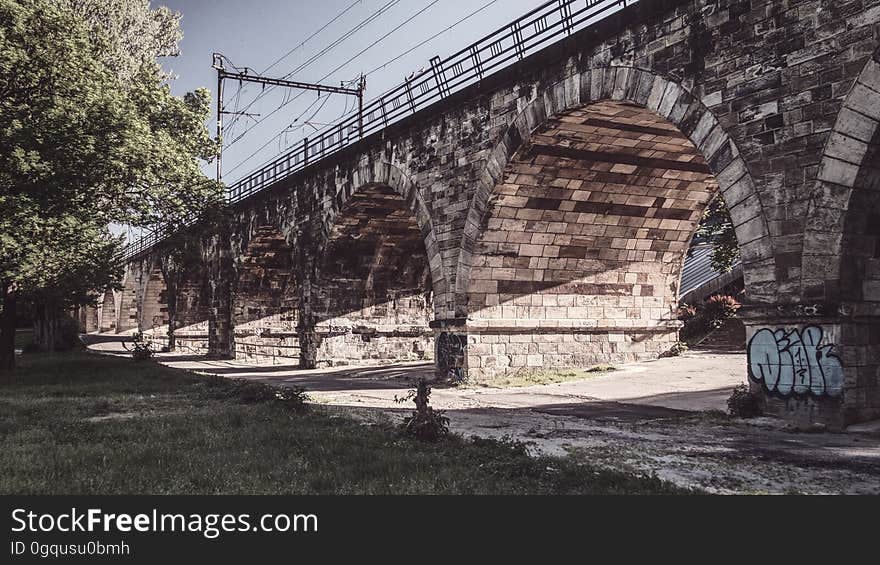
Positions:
{"x": 717, "y": 228}
{"x": 91, "y": 135}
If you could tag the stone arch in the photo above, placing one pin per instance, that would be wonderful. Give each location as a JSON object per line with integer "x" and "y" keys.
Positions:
{"x": 370, "y": 174}
{"x": 841, "y": 251}
{"x": 127, "y": 314}
{"x": 670, "y": 101}
{"x": 374, "y": 284}
{"x": 265, "y": 299}
{"x": 597, "y": 279}
{"x": 845, "y": 187}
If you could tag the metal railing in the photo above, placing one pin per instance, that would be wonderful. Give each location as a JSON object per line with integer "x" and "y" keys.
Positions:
{"x": 472, "y": 64}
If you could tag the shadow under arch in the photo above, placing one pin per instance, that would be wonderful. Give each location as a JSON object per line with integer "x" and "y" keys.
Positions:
{"x": 377, "y": 272}
{"x": 371, "y": 174}
{"x": 673, "y": 103}
{"x": 265, "y": 299}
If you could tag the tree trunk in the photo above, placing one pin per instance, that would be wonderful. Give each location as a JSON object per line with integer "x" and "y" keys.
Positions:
{"x": 171, "y": 289}
{"x": 7, "y": 330}
{"x": 47, "y": 328}
{"x": 172, "y": 321}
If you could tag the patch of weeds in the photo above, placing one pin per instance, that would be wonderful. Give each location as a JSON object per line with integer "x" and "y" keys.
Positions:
{"x": 249, "y": 392}
{"x": 525, "y": 378}
{"x": 425, "y": 423}
{"x": 743, "y": 403}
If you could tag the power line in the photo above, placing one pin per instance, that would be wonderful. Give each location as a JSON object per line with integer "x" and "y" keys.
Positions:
{"x": 315, "y": 34}
{"x": 433, "y": 37}
{"x": 338, "y": 41}
{"x": 361, "y": 52}
{"x": 306, "y": 40}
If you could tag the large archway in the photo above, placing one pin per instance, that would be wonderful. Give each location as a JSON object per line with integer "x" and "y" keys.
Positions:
{"x": 584, "y": 240}
{"x": 265, "y": 301}
{"x": 573, "y": 248}
{"x": 372, "y": 299}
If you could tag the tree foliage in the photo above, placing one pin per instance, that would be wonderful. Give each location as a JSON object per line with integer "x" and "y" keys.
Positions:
{"x": 717, "y": 228}
{"x": 132, "y": 32}
{"x": 91, "y": 135}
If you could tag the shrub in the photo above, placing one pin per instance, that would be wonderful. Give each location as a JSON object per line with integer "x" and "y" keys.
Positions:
{"x": 686, "y": 312}
{"x": 744, "y": 403}
{"x": 142, "y": 347}
{"x": 425, "y": 423}
{"x": 710, "y": 315}
{"x": 720, "y": 307}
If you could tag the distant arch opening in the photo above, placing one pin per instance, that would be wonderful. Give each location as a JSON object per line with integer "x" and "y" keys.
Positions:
{"x": 154, "y": 316}
{"x": 108, "y": 311}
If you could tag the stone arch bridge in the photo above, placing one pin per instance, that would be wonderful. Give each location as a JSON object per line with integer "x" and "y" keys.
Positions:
{"x": 540, "y": 218}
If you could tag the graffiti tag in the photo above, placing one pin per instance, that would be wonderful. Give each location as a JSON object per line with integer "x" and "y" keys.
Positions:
{"x": 450, "y": 355}
{"x": 793, "y": 362}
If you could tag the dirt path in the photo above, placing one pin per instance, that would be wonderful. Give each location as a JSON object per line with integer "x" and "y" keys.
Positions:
{"x": 660, "y": 417}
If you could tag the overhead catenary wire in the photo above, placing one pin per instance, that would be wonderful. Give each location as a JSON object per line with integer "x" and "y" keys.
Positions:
{"x": 432, "y": 38}
{"x": 335, "y": 43}
{"x": 339, "y": 67}
{"x": 297, "y": 47}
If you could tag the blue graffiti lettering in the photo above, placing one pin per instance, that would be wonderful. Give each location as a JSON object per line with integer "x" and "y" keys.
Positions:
{"x": 792, "y": 362}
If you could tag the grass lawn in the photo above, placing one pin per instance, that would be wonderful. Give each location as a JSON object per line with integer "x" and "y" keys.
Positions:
{"x": 80, "y": 423}
{"x": 547, "y": 377}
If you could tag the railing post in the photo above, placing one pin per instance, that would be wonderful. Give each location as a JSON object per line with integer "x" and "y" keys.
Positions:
{"x": 475, "y": 55}
{"x": 565, "y": 14}
{"x": 439, "y": 77}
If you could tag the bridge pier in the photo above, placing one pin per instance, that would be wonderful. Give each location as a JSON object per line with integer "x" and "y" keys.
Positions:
{"x": 813, "y": 362}
{"x": 221, "y": 331}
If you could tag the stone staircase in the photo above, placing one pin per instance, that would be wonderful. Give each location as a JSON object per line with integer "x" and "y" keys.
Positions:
{"x": 729, "y": 337}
